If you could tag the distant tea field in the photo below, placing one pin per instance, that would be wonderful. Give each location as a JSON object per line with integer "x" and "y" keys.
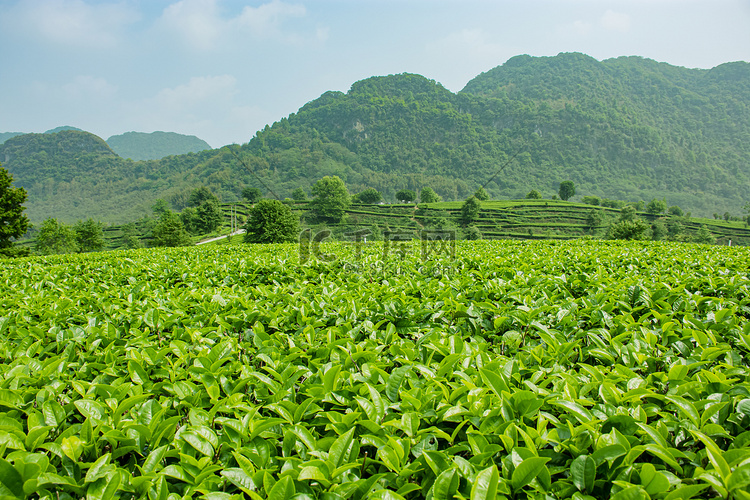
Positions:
{"x": 490, "y": 369}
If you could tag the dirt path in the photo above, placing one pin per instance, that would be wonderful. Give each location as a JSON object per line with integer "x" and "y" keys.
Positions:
{"x": 239, "y": 231}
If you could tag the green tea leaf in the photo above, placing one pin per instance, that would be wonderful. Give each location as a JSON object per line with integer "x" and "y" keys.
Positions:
{"x": 11, "y": 479}
{"x": 583, "y": 472}
{"x": 282, "y": 490}
{"x": 485, "y": 484}
{"x": 338, "y": 451}
{"x": 395, "y": 379}
{"x": 526, "y": 471}
{"x": 445, "y": 485}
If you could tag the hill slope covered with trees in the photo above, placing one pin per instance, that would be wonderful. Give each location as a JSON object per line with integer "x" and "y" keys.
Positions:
{"x": 626, "y": 128}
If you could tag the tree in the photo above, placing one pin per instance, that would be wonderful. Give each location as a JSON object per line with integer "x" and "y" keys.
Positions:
{"x": 594, "y": 219}
{"x": 406, "y": 196}
{"x": 470, "y": 209}
{"x": 209, "y": 216}
{"x": 656, "y": 207}
{"x": 676, "y": 211}
{"x": 370, "y": 196}
{"x": 13, "y": 222}
{"x": 592, "y": 200}
{"x": 298, "y": 194}
{"x": 534, "y": 195}
{"x": 89, "y": 235}
{"x": 159, "y": 207}
{"x": 428, "y": 195}
{"x": 705, "y": 236}
{"x": 472, "y": 233}
{"x": 481, "y": 194}
{"x": 201, "y": 195}
{"x": 629, "y": 230}
{"x": 331, "y": 199}
{"x": 675, "y": 230}
{"x": 252, "y": 194}
{"x": 659, "y": 230}
{"x": 130, "y": 237}
{"x": 55, "y": 237}
{"x": 628, "y": 213}
{"x": 189, "y": 218}
{"x": 170, "y": 231}
{"x": 567, "y": 190}
{"x": 270, "y": 221}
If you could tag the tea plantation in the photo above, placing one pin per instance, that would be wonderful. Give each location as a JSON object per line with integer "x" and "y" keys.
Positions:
{"x": 537, "y": 369}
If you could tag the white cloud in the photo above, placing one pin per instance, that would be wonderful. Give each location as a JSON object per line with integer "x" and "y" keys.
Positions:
{"x": 205, "y": 106}
{"x": 71, "y": 22}
{"x": 578, "y": 28}
{"x": 197, "y": 21}
{"x": 200, "y": 23}
{"x": 473, "y": 43}
{"x": 198, "y": 92}
{"x": 615, "y": 21}
{"x": 464, "y": 54}
{"x": 88, "y": 87}
{"x": 265, "y": 20}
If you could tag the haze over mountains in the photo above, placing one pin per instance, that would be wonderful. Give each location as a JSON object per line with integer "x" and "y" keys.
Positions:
{"x": 626, "y": 128}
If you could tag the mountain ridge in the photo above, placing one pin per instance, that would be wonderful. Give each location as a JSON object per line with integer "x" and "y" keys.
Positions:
{"x": 155, "y": 145}
{"x": 626, "y": 128}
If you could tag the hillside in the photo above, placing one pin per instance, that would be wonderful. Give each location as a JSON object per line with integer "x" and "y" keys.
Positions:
{"x": 627, "y": 128}
{"x": 156, "y": 145}
{"x": 72, "y": 175}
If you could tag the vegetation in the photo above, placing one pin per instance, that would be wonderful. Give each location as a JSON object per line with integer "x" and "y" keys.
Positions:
{"x": 470, "y": 210}
{"x": 253, "y": 194}
{"x": 626, "y": 128}
{"x": 534, "y": 195}
{"x": 299, "y": 194}
{"x": 330, "y": 199}
{"x": 55, "y": 237}
{"x": 200, "y": 195}
{"x": 656, "y": 207}
{"x": 406, "y": 196}
{"x": 13, "y": 222}
{"x": 170, "y": 231}
{"x": 271, "y": 221}
{"x": 428, "y": 195}
{"x": 208, "y": 216}
{"x": 567, "y": 190}
{"x": 481, "y": 195}
{"x": 130, "y": 239}
{"x": 369, "y": 196}
{"x": 512, "y": 370}
{"x": 89, "y": 236}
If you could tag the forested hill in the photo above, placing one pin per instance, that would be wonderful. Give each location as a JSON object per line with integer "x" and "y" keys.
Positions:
{"x": 630, "y": 126}
{"x": 627, "y": 128}
{"x": 156, "y": 145}
{"x": 72, "y": 175}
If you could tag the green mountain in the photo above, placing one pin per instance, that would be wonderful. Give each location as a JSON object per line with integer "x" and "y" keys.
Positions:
{"x": 626, "y": 128}
{"x": 4, "y": 136}
{"x": 63, "y": 128}
{"x": 142, "y": 146}
{"x": 72, "y": 175}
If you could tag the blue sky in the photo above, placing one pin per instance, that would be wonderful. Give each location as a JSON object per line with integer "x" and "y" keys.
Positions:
{"x": 223, "y": 69}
